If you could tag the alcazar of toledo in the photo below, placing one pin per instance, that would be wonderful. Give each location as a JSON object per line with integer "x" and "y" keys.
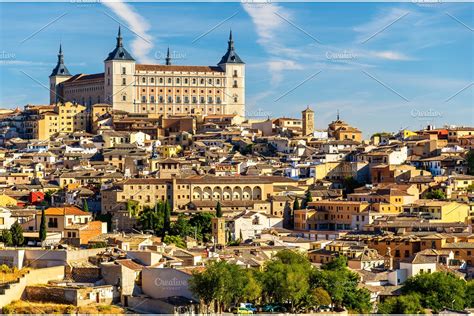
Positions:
{"x": 155, "y": 89}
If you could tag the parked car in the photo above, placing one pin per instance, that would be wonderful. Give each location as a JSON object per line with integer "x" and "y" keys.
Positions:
{"x": 242, "y": 310}
{"x": 249, "y": 306}
{"x": 271, "y": 308}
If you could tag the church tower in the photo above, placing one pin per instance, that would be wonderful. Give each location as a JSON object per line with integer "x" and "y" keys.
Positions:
{"x": 308, "y": 121}
{"x": 59, "y": 74}
{"x": 119, "y": 78}
{"x": 234, "y": 69}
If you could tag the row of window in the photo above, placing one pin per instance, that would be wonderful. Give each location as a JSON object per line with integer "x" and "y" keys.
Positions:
{"x": 194, "y": 81}
{"x": 178, "y": 99}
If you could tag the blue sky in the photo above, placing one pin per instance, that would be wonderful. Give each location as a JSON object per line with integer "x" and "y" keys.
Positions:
{"x": 385, "y": 66}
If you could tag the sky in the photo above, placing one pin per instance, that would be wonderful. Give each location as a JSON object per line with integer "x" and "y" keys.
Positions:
{"x": 383, "y": 66}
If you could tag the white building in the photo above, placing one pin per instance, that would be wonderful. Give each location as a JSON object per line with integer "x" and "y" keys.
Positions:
{"x": 249, "y": 224}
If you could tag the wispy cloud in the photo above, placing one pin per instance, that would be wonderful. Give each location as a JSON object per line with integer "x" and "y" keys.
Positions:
{"x": 142, "y": 44}
{"x": 381, "y": 25}
{"x": 390, "y": 55}
{"x": 276, "y": 68}
{"x": 266, "y": 21}
{"x": 269, "y": 21}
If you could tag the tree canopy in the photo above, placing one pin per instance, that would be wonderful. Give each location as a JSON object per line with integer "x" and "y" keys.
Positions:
{"x": 288, "y": 279}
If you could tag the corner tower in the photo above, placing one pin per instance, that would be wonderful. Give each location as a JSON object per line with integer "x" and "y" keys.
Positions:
{"x": 234, "y": 69}
{"x": 119, "y": 77}
{"x": 59, "y": 74}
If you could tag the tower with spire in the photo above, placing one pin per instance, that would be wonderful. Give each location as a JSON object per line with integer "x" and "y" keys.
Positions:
{"x": 119, "y": 77}
{"x": 59, "y": 74}
{"x": 234, "y": 69}
{"x": 168, "y": 58}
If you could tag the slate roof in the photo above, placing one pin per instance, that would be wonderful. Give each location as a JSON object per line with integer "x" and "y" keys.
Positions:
{"x": 119, "y": 53}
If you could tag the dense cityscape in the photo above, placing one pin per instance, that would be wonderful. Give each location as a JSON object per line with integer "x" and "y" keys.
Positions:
{"x": 152, "y": 189}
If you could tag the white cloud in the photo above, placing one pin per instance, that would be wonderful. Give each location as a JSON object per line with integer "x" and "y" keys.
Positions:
{"x": 276, "y": 68}
{"x": 269, "y": 22}
{"x": 142, "y": 44}
{"x": 382, "y": 24}
{"x": 266, "y": 21}
{"x": 390, "y": 55}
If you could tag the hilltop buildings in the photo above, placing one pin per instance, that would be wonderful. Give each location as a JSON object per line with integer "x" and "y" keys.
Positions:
{"x": 155, "y": 89}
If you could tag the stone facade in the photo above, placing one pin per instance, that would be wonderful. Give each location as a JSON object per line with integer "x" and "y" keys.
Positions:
{"x": 155, "y": 89}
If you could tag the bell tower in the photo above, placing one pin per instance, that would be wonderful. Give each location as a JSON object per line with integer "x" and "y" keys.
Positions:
{"x": 308, "y": 121}
{"x": 234, "y": 69}
{"x": 59, "y": 74}
{"x": 119, "y": 77}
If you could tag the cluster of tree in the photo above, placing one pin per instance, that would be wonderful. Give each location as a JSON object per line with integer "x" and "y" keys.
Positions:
{"x": 13, "y": 236}
{"x": 157, "y": 220}
{"x": 470, "y": 162}
{"x": 288, "y": 280}
{"x": 307, "y": 198}
{"x": 435, "y": 195}
{"x": 435, "y": 291}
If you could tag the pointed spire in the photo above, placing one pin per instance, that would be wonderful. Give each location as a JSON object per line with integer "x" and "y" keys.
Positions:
{"x": 60, "y": 69}
{"x": 231, "y": 41}
{"x": 119, "y": 37}
{"x": 168, "y": 57}
{"x": 60, "y": 54}
{"x": 230, "y": 56}
{"x": 338, "y": 114}
{"x": 119, "y": 53}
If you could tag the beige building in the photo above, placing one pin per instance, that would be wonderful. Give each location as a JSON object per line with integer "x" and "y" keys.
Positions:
{"x": 198, "y": 189}
{"x": 156, "y": 89}
{"x": 43, "y": 121}
{"x": 340, "y": 130}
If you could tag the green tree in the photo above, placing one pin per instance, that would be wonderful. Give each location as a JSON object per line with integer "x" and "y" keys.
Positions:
{"x": 342, "y": 286}
{"x": 181, "y": 227}
{"x": 132, "y": 207}
{"x": 437, "y": 290}
{"x": 166, "y": 218}
{"x": 296, "y": 204}
{"x": 470, "y": 294}
{"x": 321, "y": 297}
{"x": 176, "y": 240}
{"x": 218, "y": 209}
{"x": 201, "y": 223}
{"x": 48, "y": 196}
{"x": 17, "y": 234}
{"x": 42, "y": 229}
{"x": 435, "y": 195}
{"x": 152, "y": 218}
{"x": 85, "y": 206}
{"x": 338, "y": 263}
{"x": 7, "y": 237}
{"x": 403, "y": 304}
{"x": 286, "y": 278}
{"x": 252, "y": 289}
{"x": 470, "y": 162}
{"x": 223, "y": 284}
{"x": 307, "y": 198}
{"x": 229, "y": 236}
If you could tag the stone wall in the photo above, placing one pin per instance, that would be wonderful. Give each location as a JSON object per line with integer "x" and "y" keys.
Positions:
{"x": 38, "y": 276}
{"x": 70, "y": 295}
